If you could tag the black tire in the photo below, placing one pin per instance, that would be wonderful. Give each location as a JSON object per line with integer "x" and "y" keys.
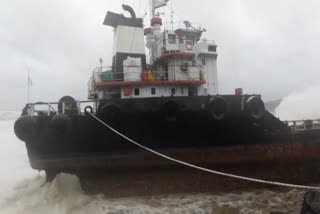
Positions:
{"x": 255, "y": 107}
{"x": 217, "y": 107}
{"x": 25, "y": 128}
{"x": 61, "y": 125}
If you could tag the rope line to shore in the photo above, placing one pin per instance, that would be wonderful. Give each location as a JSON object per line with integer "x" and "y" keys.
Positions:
{"x": 206, "y": 169}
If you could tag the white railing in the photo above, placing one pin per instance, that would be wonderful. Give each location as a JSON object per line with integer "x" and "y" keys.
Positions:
{"x": 303, "y": 125}
{"x": 192, "y": 72}
{"x": 181, "y": 25}
{"x": 53, "y": 108}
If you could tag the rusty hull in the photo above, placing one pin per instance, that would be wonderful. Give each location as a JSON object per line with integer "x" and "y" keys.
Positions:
{"x": 143, "y": 173}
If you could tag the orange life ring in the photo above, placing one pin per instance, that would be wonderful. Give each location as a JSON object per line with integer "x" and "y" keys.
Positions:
{"x": 189, "y": 45}
{"x": 127, "y": 91}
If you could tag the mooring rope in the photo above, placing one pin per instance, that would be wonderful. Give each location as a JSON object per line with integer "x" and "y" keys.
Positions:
{"x": 205, "y": 169}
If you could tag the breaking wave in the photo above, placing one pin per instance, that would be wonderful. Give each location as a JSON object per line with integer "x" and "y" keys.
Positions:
{"x": 301, "y": 105}
{"x": 65, "y": 196}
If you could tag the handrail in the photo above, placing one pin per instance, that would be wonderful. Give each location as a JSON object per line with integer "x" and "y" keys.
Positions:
{"x": 30, "y": 108}
{"x": 181, "y": 25}
{"x": 303, "y": 125}
{"x": 192, "y": 72}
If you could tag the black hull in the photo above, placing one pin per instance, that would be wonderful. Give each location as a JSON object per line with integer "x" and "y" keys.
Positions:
{"x": 82, "y": 145}
{"x": 145, "y": 121}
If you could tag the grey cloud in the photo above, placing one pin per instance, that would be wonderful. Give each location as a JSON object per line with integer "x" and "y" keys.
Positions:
{"x": 268, "y": 47}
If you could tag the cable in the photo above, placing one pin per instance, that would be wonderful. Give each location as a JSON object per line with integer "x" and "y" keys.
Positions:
{"x": 202, "y": 168}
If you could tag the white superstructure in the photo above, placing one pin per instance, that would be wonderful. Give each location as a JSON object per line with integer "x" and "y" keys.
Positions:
{"x": 178, "y": 63}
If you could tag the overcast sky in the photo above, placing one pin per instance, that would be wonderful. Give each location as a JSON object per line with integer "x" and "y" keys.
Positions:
{"x": 269, "y": 47}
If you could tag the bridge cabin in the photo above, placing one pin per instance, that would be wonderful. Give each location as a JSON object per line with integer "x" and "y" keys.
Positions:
{"x": 178, "y": 63}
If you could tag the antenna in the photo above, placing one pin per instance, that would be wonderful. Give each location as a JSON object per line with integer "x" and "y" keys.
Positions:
{"x": 172, "y": 13}
{"x": 29, "y": 82}
{"x": 101, "y": 61}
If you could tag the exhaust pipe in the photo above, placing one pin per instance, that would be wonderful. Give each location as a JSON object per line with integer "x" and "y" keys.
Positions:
{"x": 130, "y": 10}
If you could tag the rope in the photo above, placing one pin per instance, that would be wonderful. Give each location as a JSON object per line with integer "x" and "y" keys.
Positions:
{"x": 205, "y": 169}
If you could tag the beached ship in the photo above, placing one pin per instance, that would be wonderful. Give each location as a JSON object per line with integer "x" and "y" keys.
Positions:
{"x": 167, "y": 100}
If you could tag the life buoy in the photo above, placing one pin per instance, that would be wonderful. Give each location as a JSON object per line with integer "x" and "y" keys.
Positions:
{"x": 189, "y": 45}
{"x": 127, "y": 91}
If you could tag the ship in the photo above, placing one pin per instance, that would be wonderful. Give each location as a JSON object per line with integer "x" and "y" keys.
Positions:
{"x": 162, "y": 92}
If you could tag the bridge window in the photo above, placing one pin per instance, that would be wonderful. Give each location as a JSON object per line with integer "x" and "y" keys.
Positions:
{"x": 172, "y": 39}
{"x": 136, "y": 91}
{"x": 190, "y": 38}
{"x": 212, "y": 48}
{"x": 173, "y": 91}
{"x": 153, "y": 91}
{"x": 203, "y": 61}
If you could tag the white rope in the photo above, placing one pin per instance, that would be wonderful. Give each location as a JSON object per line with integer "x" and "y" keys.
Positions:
{"x": 205, "y": 169}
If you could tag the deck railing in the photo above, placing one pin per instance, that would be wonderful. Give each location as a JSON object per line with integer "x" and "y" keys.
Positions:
{"x": 177, "y": 72}
{"x": 181, "y": 25}
{"x": 80, "y": 108}
{"x": 303, "y": 125}
{"x": 53, "y": 108}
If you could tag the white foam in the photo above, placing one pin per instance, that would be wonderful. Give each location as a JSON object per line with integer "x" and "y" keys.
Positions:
{"x": 301, "y": 105}
{"x": 9, "y": 115}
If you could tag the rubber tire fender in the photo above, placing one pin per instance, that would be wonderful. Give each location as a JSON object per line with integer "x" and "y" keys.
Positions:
{"x": 217, "y": 107}
{"x": 255, "y": 107}
{"x": 25, "y": 128}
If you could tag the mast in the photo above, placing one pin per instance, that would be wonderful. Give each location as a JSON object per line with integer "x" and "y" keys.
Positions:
{"x": 155, "y": 4}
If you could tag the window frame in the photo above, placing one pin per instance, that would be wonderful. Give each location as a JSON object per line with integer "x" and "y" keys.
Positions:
{"x": 136, "y": 91}
{"x": 153, "y": 91}
{"x": 173, "y": 91}
{"x": 212, "y": 48}
{"x": 172, "y": 40}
